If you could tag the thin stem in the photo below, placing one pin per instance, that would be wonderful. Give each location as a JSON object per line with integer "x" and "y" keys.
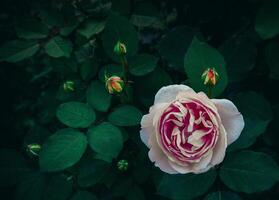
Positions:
{"x": 125, "y": 68}
{"x": 209, "y": 94}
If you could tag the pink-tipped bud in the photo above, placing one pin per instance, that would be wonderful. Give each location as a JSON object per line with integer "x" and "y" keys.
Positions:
{"x": 210, "y": 77}
{"x": 114, "y": 84}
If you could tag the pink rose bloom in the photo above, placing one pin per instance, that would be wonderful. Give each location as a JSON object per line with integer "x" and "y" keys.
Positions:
{"x": 188, "y": 132}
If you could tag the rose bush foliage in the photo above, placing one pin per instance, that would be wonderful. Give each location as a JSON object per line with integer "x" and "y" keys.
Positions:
{"x": 65, "y": 136}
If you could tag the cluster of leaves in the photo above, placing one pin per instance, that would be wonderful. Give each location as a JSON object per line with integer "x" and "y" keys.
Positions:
{"x": 84, "y": 132}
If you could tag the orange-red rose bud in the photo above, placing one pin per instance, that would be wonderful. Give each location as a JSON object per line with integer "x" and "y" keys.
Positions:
{"x": 114, "y": 84}
{"x": 120, "y": 49}
{"x": 210, "y": 77}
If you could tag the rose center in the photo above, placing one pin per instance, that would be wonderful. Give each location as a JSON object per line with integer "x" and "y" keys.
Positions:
{"x": 187, "y": 130}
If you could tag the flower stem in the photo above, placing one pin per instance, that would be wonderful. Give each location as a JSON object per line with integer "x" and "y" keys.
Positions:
{"x": 125, "y": 68}
{"x": 209, "y": 94}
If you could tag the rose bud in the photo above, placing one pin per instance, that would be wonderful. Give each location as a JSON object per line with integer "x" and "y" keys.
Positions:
{"x": 187, "y": 132}
{"x": 114, "y": 84}
{"x": 69, "y": 86}
{"x": 122, "y": 165}
{"x": 34, "y": 148}
{"x": 120, "y": 49}
{"x": 210, "y": 77}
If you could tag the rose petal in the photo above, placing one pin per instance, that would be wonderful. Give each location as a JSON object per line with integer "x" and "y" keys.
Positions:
{"x": 201, "y": 166}
{"x": 232, "y": 119}
{"x": 147, "y": 123}
{"x": 220, "y": 148}
{"x": 168, "y": 93}
{"x": 157, "y": 155}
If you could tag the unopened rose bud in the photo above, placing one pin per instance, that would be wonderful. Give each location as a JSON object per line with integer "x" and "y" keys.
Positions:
{"x": 122, "y": 165}
{"x": 34, "y": 148}
{"x": 120, "y": 49}
{"x": 114, "y": 84}
{"x": 69, "y": 86}
{"x": 210, "y": 77}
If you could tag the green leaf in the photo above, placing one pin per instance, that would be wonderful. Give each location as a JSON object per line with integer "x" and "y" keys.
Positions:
{"x": 62, "y": 150}
{"x": 184, "y": 187}
{"x": 88, "y": 69}
{"x": 83, "y": 195}
{"x": 32, "y": 187}
{"x": 267, "y": 20}
{"x": 125, "y": 116}
{"x": 147, "y": 86}
{"x": 90, "y": 172}
{"x": 222, "y": 195}
{"x": 272, "y": 59}
{"x": 249, "y": 172}
{"x": 142, "y": 64}
{"x": 110, "y": 70}
{"x": 91, "y": 27}
{"x": 119, "y": 29}
{"x": 69, "y": 27}
{"x": 18, "y": 50}
{"x": 12, "y": 167}
{"x": 135, "y": 193}
{"x": 198, "y": 58}
{"x": 174, "y": 45}
{"x": 58, "y": 47}
{"x": 106, "y": 140}
{"x": 76, "y": 114}
{"x": 240, "y": 52}
{"x": 58, "y": 188}
{"x": 98, "y": 97}
{"x": 31, "y": 29}
{"x": 257, "y": 114}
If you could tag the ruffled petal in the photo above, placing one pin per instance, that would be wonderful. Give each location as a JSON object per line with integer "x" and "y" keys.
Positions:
{"x": 232, "y": 119}
{"x": 219, "y": 150}
{"x": 157, "y": 155}
{"x": 168, "y": 93}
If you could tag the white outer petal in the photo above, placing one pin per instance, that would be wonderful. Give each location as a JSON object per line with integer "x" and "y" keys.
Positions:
{"x": 168, "y": 93}
{"x": 219, "y": 150}
{"x": 157, "y": 155}
{"x": 231, "y": 118}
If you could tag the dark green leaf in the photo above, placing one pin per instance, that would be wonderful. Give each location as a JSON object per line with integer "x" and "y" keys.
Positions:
{"x": 91, "y": 172}
{"x": 125, "y": 116}
{"x": 174, "y": 45}
{"x": 135, "y": 193}
{"x": 91, "y": 27}
{"x": 222, "y": 195}
{"x": 110, "y": 70}
{"x": 119, "y": 29}
{"x": 31, "y": 29}
{"x": 142, "y": 64}
{"x": 83, "y": 195}
{"x": 62, "y": 150}
{"x": 76, "y": 114}
{"x": 199, "y": 57}
{"x": 59, "y": 188}
{"x": 147, "y": 86}
{"x": 249, "y": 172}
{"x": 184, "y": 187}
{"x": 106, "y": 140}
{"x": 272, "y": 59}
{"x": 12, "y": 167}
{"x": 58, "y": 47}
{"x": 257, "y": 114}
{"x": 267, "y": 21}
{"x": 98, "y": 97}
{"x": 32, "y": 187}
{"x": 18, "y": 50}
{"x": 88, "y": 69}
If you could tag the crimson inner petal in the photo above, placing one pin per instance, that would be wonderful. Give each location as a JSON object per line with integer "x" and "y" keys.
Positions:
{"x": 178, "y": 123}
